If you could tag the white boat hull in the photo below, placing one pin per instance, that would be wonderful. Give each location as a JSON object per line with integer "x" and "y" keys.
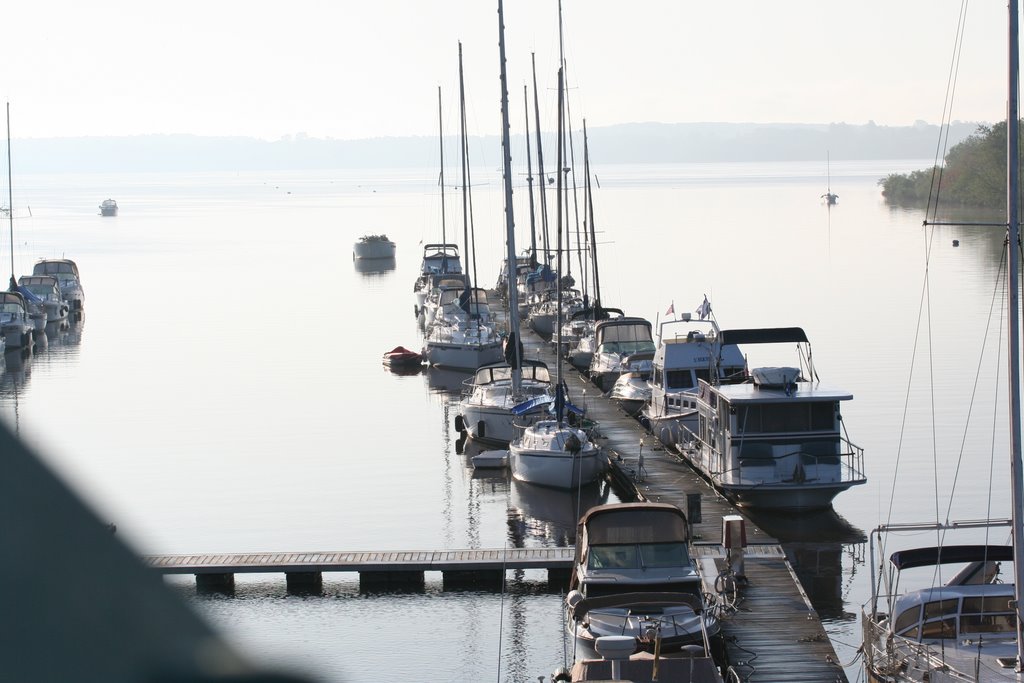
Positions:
{"x": 373, "y": 250}
{"x": 539, "y": 457}
{"x": 463, "y": 356}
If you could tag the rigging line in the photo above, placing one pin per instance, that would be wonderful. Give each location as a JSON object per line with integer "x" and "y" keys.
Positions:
{"x": 906, "y": 401}
{"x": 942, "y": 144}
{"x": 996, "y": 390}
{"x": 997, "y": 290}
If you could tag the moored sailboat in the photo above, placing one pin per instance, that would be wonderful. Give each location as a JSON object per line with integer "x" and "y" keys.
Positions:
{"x": 969, "y": 627}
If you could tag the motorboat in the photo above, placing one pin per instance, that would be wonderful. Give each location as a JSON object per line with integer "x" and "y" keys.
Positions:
{"x": 46, "y": 288}
{"x": 632, "y": 391}
{"x": 578, "y": 332}
{"x": 373, "y": 247}
{"x": 687, "y": 351}
{"x": 633, "y": 575}
{"x": 438, "y": 259}
{"x": 15, "y": 322}
{"x": 490, "y": 402}
{"x": 443, "y": 292}
{"x": 622, "y": 345}
{"x": 556, "y": 453}
{"x": 108, "y": 207}
{"x": 66, "y": 272}
{"x": 401, "y": 357}
{"x": 777, "y": 441}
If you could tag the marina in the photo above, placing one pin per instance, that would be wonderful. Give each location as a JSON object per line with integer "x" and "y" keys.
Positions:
{"x": 191, "y": 493}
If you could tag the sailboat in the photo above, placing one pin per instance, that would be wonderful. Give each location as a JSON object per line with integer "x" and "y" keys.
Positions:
{"x": 516, "y": 390}
{"x": 15, "y": 318}
{"x": 968, "y": 628}
{"x": 462, "y": 335}
{"x": 829, "y": 197}
{"x": 555, "y": 452}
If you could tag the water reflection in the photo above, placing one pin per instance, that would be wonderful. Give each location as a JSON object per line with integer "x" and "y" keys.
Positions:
{"x": 816, "y": 545}
{"x": 550, "y": 515}
{"x": 441, "y": 380}
{"x": 374, "y": 266}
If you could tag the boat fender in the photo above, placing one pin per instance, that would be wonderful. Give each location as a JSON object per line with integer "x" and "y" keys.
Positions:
{"x": 481, "y": 429}
{"x": 460, "y": 424}
{"x": 573, "y": 598}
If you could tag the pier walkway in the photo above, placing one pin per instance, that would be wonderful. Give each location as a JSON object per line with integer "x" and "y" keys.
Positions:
{"x": 775, "y": 634}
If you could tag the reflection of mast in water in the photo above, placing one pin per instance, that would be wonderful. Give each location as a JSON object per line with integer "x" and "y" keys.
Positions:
{"x": 17, "y": 365}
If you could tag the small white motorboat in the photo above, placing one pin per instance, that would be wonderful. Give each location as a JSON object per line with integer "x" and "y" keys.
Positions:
{"x": 66, "y": 272}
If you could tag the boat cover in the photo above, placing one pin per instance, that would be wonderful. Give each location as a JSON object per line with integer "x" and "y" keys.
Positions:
{"x": 634, "y": 523}
{"x": 767, "y": 335}
{"x": 950, "y": 554}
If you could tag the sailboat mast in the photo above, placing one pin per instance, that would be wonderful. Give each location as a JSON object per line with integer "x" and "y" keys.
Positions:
{"x": 540, "y": 165}
{"x": 590, "y": 221}
{"x": 465, "y": 189}
{"x": 529, "y": 181}
{"x": 440, "y": 127}
{"x": 559, "y": 397}
{"x": 1013, "y": 331}
{"x": 510, "y": 223}
{"x": 10, "y": 194}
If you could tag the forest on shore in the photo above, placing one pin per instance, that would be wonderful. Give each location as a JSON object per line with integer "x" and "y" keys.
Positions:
{"x": 974, "y": 174}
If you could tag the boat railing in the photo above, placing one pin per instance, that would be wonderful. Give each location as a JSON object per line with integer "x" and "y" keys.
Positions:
{"x": 888, "y": 654}
{"x": 848, "y": 455}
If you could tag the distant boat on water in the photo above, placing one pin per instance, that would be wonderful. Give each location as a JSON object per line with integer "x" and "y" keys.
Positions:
{"x": 108, "y": 207}
{"x": 373, "y": 247}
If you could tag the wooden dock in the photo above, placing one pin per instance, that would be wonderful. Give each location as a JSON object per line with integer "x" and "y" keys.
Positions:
{"x": 775, "y": 634}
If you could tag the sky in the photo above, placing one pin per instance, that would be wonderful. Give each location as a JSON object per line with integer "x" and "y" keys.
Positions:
{"x": 351, "y": 70}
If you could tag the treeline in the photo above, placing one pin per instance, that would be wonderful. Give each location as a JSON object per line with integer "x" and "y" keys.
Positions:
{"x": 974, "y": 174}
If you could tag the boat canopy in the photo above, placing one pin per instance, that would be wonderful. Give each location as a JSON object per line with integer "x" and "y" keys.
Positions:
{"x": 534, "y": 370}
{"x": 12, "y": 298}
{"x": 636, "y": 602}
{"x": 55, "y": 266}
{"x": 951, "y": 554}
{"x": 767, "y": 335}
{"x": 633, "y": 523}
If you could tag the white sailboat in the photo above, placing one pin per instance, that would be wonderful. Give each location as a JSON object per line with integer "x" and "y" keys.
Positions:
{"x": 968, "y": 628}
{"x": 556, "y": 452}
{"x": 462, "y": 335}
{"x": 499, "y": 394}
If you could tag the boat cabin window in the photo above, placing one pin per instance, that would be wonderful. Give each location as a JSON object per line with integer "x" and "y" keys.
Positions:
{"x": 664, "y": 555}
{"x": 770, "y": 418}
{"x": 679, "y": 379}
{"x": 612, "y": 557}
{"x": 987, "y": 615}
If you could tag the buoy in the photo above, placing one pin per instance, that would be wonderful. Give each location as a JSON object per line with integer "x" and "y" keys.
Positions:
{"x": 956, "y": 243}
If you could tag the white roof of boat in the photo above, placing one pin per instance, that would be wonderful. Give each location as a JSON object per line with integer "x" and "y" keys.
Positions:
{"x": 801, "y": 391}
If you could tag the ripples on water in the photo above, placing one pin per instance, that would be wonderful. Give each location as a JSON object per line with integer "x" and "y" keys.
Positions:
{"x": 225, "y": 393}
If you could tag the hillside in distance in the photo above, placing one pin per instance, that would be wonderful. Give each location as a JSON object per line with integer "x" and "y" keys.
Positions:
{"x": 633, "y": 143}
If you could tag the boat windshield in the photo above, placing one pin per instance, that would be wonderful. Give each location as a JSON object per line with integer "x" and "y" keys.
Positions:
{"x": 638, "y": 556}
{"x": 938, "y": 618}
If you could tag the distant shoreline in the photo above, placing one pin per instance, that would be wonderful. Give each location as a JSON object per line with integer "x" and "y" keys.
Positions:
{"x": 635, "y": 143}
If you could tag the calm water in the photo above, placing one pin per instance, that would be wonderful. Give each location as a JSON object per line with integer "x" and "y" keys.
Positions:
{"x": 224, "y": 392}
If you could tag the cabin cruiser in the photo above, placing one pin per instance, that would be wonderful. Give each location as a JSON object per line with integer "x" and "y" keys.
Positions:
{"x": 15, "y": 321}
{"x": 632, "y": 391}
{"x": 46, "y": 289}
{"x": 443, "y": 292}
{"x": 490, "y": 404}
{"x": 66, "y": 272}
{"x": 438, "y": 259}
{"x": 623, "y": 345}
{"x": 633, "y": 576}
{"x": 777, "y": 441}
{"x": 688, "y": 351}
{"x": 543, "y": 316}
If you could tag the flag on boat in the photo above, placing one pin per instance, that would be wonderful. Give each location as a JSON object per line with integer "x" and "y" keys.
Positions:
{"x": 704, "y": 310}
{"x": 671, "y": 309}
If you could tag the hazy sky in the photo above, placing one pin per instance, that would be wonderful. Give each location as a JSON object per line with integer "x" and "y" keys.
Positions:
{"x": 342, "y": 69}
